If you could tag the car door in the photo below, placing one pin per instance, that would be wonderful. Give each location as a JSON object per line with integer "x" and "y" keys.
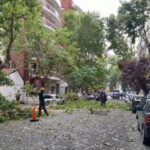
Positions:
{"x": 140, "y": 113}
{"x": 142, "y": 117}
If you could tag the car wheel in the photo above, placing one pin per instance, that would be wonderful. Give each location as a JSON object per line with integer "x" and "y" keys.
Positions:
{"x": 144, "y": 139}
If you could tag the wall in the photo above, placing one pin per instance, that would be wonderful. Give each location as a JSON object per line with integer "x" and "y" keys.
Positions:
{"x": 10, "y": 91}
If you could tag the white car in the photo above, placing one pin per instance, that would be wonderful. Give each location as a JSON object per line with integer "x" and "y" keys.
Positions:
{"x": 50, "y": 98}
{"x": 147, "y": 100}
{"x": 127, "y": 99}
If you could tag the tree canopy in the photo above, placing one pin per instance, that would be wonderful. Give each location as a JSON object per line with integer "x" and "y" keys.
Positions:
{"x": 136, "y": 74}
{"x": 133, "y": 16}
{"x": 118, "y": 41}
{"x": 12, "y": 14}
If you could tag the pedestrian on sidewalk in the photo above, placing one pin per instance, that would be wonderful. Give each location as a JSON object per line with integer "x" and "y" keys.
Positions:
{"x": 42, "y": 102}
{"x": 102, "y": 97}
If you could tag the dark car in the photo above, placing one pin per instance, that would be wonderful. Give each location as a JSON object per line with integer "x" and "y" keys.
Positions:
{"x": 115, "y": 94}
{"x": 143, "y": 117}
{"x": 136, "y": 103}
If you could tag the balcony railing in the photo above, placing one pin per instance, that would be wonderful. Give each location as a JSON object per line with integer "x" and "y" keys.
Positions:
{"x": 50, "y": 25}
{"x": 52, "y": 15}
{"x": 50, "y": 7}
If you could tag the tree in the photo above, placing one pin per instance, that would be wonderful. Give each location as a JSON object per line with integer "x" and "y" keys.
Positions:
{"x": 90, "y": 38}
{"x": 133, "y": 16}
{"x": 87, "y": 77}
{"x": 4, "y": 80}
{"x": 59, "y": 52}
{"x": 118, "y": 43}
{"x": 136, "y": 74}
{"x": 77, "y": 70}
{"x": 113, "y": 73}
{"x": 12, "y": 14}
{"x": 71, "y": 20}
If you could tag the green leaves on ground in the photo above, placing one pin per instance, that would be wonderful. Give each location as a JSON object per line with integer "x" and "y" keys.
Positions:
{"x": 12, "y": 110}
{"x": 70, "y": 106}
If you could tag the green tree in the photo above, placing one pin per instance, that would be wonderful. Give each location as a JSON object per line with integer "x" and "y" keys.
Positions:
{"x": 113, "y": 73}
{"x": 12, "y": 14}
{"x": 4, "y": 80}
{"x": 90, "y": 38}
{"x": 71, "y": 20}
{"x": 86, "y": 68}
{"x": 133, "y": 16}
{"x": 118, "y": 42}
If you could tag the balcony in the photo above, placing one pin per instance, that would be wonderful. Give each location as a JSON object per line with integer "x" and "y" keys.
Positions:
{"x": 49, "y": 25}
{"x": 56, "y": 4}
{"x": 49, "y": 28}
{"x": 52, "y": 16}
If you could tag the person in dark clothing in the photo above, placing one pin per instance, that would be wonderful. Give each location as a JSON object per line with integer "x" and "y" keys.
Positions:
{"x": 42, "y": 102}
{"x": 18, "y": 95}
{"x": 102, "y": 97}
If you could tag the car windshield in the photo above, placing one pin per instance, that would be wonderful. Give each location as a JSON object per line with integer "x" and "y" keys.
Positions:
{"x": 137, "y": 97}
{"x": 115, "y": 92}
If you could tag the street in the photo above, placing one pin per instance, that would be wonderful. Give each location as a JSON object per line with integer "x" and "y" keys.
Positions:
{"x": 80, "y": 130}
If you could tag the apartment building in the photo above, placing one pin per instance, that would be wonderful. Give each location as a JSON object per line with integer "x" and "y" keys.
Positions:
{"x": 51, "y": 14}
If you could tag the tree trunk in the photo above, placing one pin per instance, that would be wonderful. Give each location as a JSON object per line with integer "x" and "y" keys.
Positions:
{"x": 147, "y": 43}
{"x": 11, "y": 39}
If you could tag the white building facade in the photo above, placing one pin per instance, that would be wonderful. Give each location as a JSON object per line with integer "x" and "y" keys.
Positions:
{"x": 51, "y": 14}
{"x": 10, "y": 91}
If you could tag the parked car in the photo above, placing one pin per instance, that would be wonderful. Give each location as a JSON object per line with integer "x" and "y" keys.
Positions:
{"x": 143, "y": 118}
{"x": 115, "y": 94}
{"x": 90, "y": 96}
{"x": 136, "y": 103}
{"x": 50, "y": 98}
{"x": 148, "y": 98}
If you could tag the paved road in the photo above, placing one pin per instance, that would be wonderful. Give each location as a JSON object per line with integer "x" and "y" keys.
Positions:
{"x": 113, "y": 130}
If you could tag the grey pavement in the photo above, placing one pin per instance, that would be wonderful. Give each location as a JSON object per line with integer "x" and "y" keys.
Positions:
{"x": 80, "y": 130}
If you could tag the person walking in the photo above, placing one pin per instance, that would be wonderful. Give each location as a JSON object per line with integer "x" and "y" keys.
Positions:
{"x": 102, "y": 97}
{"x": 18, "y": 95}
{"x": 42, "y": 102}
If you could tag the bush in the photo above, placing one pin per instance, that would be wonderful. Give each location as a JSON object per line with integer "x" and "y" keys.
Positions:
{"x": 11, "y": 110}
{"x": 71, "y": 97}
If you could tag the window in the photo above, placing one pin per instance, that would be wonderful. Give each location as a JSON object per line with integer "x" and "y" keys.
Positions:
{"x": 48, "y": 96}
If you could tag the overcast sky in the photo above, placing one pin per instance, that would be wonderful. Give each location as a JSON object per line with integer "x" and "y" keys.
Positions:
{"x": 104, "y": 7}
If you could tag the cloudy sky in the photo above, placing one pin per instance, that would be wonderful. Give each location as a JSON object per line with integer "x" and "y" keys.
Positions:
{"x": 104, "y": 7}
